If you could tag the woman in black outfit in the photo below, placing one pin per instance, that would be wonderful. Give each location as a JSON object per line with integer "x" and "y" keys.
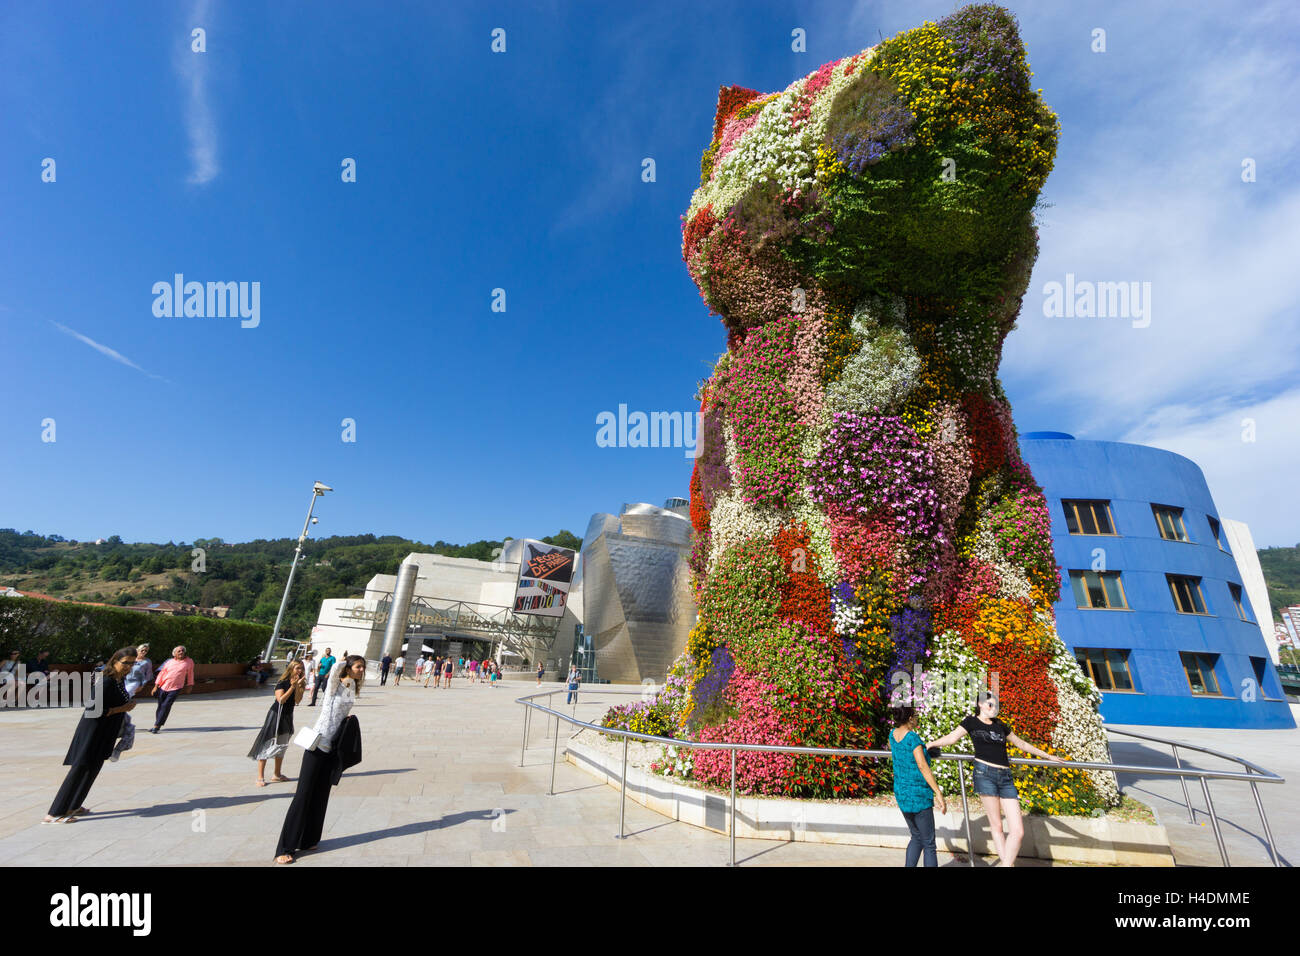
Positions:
{"x": 322, "y": 764}
{"x": 277, "y": 730}
{"x": 993, "y": 782}
{"x": 95, "y": 736}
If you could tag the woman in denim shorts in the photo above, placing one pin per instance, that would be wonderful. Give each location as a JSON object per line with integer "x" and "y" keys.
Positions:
{"x": 997, "y": 791}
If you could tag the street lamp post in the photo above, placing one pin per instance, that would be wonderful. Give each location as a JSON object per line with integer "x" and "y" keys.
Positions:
{"x": 317, "y": 490}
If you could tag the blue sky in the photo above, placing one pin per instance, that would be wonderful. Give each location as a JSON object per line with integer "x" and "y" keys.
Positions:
{"x": 522, "y": 171}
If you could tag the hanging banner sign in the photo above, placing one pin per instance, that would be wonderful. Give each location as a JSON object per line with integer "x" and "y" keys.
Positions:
{"x": 545, "y": 574}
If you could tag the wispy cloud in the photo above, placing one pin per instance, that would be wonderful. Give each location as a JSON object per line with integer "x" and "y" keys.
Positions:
{"x": 1247, "y": 452}
{"x": 192, "y": 71}
{"x": 114, "y": 354}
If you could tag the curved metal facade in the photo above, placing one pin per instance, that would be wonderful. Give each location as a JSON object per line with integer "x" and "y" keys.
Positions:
{"x": 1133, "y": 478}
{"x": 637, "y": 602}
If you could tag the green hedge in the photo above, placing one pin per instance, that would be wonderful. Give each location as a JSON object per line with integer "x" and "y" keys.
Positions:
{"x": 77, "y": 634}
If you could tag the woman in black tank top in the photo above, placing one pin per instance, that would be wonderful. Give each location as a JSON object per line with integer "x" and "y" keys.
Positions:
{"x": 993, "y": 783}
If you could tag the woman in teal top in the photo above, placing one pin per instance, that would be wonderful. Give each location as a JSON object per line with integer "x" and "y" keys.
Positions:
{"x": 914, "y": 787}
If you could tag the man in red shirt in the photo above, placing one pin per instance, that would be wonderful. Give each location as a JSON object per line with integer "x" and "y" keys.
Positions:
{"x": 176, "y": 675}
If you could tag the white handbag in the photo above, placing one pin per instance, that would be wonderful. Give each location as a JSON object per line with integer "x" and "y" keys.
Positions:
{"x": 307, "y": 738}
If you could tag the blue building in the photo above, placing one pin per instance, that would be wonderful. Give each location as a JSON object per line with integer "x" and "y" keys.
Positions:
{"x": 1152, "y": 603}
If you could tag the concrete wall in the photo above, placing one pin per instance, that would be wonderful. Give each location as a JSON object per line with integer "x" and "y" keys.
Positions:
{"x": 1242, "y": 545}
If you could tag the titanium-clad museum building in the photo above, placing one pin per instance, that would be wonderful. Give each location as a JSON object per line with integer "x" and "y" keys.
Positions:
{"x": 628, "y": 613}
{"x": 636, "y": 582}
{"x": 1154, "y": 603}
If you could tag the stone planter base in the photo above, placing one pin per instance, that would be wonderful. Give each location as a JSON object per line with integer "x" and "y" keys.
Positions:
{"x": 1094, "y": 840}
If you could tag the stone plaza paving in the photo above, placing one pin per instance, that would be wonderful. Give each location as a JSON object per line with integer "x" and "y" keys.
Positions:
{"x": 440, "y": 785}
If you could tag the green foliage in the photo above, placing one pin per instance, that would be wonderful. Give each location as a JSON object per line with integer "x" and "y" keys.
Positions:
{"x": 1281, "y": 568}
{"x": 565, "y": 539}
{"x": 77, "y": 634}
{"x": 247, "y": 577}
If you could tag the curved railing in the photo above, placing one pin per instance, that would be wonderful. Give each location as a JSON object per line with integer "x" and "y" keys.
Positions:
{"x": 1253, "y": 775}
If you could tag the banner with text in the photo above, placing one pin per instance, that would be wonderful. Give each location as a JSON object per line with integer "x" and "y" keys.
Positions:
{"x": 545, "y": 574}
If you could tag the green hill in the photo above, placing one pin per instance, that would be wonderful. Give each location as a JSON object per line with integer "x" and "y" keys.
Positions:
{"x": 1282, "y": 575}
{"x": 248, "y": 578}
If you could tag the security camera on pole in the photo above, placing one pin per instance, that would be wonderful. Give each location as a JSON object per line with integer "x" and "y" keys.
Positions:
{"x": 317, "y": 490}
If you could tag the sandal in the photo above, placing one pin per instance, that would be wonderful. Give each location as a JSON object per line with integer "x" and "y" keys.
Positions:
{"x": 80, "y": 811}
{"x": 284, "y": 859}
{"x": 261, "y": 783}
{"x": 50, "y": 819}
{"x": 280, "y": 778}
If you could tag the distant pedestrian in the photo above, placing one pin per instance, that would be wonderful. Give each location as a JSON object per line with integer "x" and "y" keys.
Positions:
{"x": 322, "y": 671}
{"x": 40, "y": 664}
{"x": 94, "y": 738}
{"x": 572, "y": 683}
{"x": 446, "y": 673}
{"x": 9, "y": 669}
{"x": 384, "y": 664}
{"x": 173, "y": 677}
{"x": 434, "y": 671}
{"x": 333, "y": 750}
{"x": 277, "y": 730}
{"x": 915, "y": 789}
{"x": 141, "y": 675}
{"x": 540, "y": 671}
{"x": 398, "y": 666}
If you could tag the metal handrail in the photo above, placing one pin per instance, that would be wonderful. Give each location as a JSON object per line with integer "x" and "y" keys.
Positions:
{"x": 1253, "y": 771}
{"x": 1259, "y": 774}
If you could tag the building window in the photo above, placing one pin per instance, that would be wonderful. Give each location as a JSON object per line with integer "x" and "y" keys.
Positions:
{"x": 1235, "y": 591}
{"x": 1098, "y": 590}
{"x": 1107, "y": 667}
{"x": 1261, "y": 677}
{"x": 1199, "y": 669}
{"x": 1088, "y": 517}
{"x": 1170, "y": 521}
{"x": 1215, "y": 529}
{"x": 1187, "y": 594}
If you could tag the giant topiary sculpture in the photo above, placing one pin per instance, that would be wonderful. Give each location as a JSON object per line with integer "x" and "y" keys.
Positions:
{"x": 860, "y": 505}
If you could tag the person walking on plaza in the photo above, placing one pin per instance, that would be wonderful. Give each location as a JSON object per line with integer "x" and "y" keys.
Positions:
{"x": 277, "y": 730}
{"x": 915, "y": 789}
{"x": 447, "y": 670}
{"x": 398, "y": 666}
{"x": 993, "y": 782}
{"x": 541, "y": 669}
{"x": 323, "y": 763}
{"x": 94, "y": 738}
{"x": 572, "y": 683}
{"x": 384, "y": 664}
{"x": 141, "y": 675}
{"x": 322, "y": 671}
{"x": 173, "y": 677}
